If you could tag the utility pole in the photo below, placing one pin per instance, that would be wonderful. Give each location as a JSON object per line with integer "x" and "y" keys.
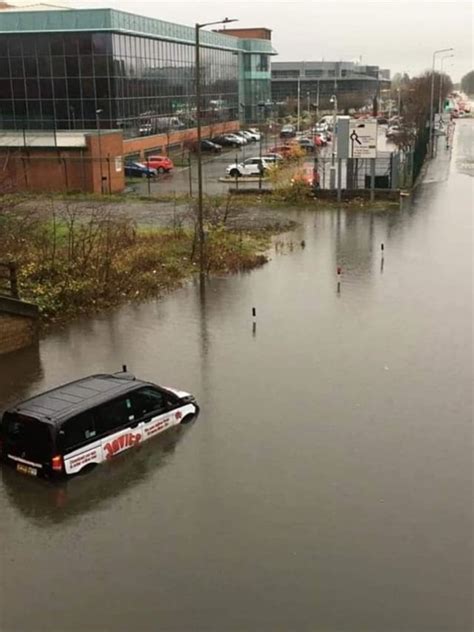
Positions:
{"x": 332, "y": 175}
{"x": 431, "y": 135}
{"x": 298, "y": 104}
{"x": 97, "y": 114}
{"x": 197, "y": 69}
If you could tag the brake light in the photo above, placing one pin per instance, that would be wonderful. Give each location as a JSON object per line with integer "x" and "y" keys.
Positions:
{"x": 57, "y": 463}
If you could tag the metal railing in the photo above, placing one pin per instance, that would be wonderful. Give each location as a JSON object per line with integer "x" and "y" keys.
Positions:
{"x": 8, "y": 280}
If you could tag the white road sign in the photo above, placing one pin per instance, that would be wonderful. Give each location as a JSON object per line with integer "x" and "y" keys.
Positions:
{"x": 362, "y": 139}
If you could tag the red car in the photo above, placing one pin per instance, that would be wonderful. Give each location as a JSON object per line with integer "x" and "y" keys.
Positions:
{"x": 162, "y": 164}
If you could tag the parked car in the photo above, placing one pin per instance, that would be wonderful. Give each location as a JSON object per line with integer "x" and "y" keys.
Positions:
{"x": 240, "y": 140}
{"x": 247, "y": 135}
{"x": 73, "y": 427}
{"x": 272, "y": 158}
{"x": 228, "y": 140}
{"x": 321, "y": 139}
{"x": 249, "y": 167}
{"x": 162, "y": 164}
{"x": 306, "y": 175}
{"x": 139, "y": 170}
{"x": 393, "y": 131}
{"x": 256, "y": 132}
{"x": 320, "y": 128}
{"x": 209, "y": 146}
{"x": 306, "y": 144}
{"x": 287, "y": 151}
{"x": 288, "y": 131}
{"x": 254, "y": 135}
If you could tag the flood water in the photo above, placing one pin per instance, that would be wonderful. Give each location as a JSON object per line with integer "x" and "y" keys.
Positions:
{"x": 326, "y": 485}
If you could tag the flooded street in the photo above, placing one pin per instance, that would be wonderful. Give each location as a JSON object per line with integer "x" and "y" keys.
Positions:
{"x": 326, "y": 485}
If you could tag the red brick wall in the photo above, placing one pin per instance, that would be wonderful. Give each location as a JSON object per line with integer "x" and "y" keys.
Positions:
{"x": 16, "y": 332}
{"x": 68, "y": 169}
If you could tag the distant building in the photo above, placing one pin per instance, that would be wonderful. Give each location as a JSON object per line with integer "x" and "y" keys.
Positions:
{"x": 83, "y": 70}
{"x": 352, "y": 83}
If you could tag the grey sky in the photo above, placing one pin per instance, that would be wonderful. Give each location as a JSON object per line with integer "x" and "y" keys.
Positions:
{"x": 398, "y": 35}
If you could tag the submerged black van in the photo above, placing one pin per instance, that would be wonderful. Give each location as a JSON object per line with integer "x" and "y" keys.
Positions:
{"x": 83, "y": 423}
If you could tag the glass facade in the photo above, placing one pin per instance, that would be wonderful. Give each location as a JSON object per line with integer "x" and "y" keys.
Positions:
{"x": 140, "y": 84}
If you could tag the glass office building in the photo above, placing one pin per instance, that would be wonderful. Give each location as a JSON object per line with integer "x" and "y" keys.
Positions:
{"x": 77, "y": 69}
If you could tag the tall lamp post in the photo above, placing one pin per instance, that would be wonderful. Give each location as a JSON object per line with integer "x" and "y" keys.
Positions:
{"x": 332, "y": 176}
{"x": 197, "y": 28}
{"x": 441, "y": 80}
{"x": 436, "y": 52}
{"x": 97, "y": 115}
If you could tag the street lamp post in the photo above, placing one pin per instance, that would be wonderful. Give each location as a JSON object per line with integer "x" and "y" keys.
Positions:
{"x": 441, "y": 80}
{"x": 431, "y": 143}
{"x": 332, "y": 177}
{"x": 197, "y": 29}
{"x": 97, "y": 115}
{"x": 298, "y": 104}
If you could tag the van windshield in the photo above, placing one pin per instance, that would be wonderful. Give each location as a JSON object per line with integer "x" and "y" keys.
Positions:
{"x": 26, "y": 437}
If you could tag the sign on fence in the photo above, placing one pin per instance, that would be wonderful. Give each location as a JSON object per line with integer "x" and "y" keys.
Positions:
{"x": 362, "y": 139}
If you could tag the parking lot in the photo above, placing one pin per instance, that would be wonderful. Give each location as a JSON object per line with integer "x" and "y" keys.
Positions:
{"x": 183, "y": 180}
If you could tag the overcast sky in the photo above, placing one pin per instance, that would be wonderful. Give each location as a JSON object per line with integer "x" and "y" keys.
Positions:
{"x": 400, "y": 35}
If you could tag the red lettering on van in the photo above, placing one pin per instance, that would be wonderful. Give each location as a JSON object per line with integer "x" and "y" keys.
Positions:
{"x": 123, "y": 441}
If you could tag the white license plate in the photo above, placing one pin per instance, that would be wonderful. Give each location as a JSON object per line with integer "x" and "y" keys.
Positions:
{"x": 26, "y": 469}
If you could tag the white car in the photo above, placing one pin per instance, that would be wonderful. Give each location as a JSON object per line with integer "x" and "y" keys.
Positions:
{"x": 249, "y": 167}
{"x": 239, "y": 140}
{"x": 254, "y": 134}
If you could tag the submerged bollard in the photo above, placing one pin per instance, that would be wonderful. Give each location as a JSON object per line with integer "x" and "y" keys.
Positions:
{"x": 254, "y": 313}
{"x": 339, "y": 273}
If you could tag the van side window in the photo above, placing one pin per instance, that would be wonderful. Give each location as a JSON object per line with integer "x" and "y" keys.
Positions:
{"x": 78, "y": 431}
{"x": 114, "y": 415}
{"x": 148, "y": 400}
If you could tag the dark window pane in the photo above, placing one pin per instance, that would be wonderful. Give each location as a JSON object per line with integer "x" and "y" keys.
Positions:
{"x": 18, "y": 89}
{"x": 77, "y": 431}
{"x": 86, "y": 66}
{"x": 58, "y": 67}
{"x": 72, "y": 66}
{"x": 32, "y": 88}
{"x": 44, "y": 66}
{"x": 3, "y": 46}
{"x": 148, "y": 400}
{"x": 34, "y": 110}
{"x": 101, "y": 43}
{"x": 46, "y": 88}
{"x": 87, "y": 88}
{"x": 85, "y": 43}
{"x": 4, "y": 67}
{"x": 29, "y": 45}
{"x": 57, "y": 45}
{"x": 70, "y": 45}
{"x": 101, "y": 66}
{"x": 114, "y": 415}
{"x": 16, "y": 65}
{"x": 59, "y": 88}
{"x": 42, "y": 44}
{"x": 14, "y": 46}
{"x": 102, "y": 88}
{"x": 74, "y": 88}
{"x": 5, "y": 89}
{"x": 31, "y": 66}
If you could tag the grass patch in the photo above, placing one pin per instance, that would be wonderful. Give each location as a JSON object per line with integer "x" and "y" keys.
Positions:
{"x": 78, "y": 263}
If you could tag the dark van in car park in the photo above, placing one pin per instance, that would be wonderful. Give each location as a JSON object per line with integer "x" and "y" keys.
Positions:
{"x": 76, "y": 426}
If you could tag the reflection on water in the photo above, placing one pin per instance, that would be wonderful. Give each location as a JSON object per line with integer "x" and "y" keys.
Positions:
{"x": 20, "y": 371}
{"x": 45, "y": 502}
